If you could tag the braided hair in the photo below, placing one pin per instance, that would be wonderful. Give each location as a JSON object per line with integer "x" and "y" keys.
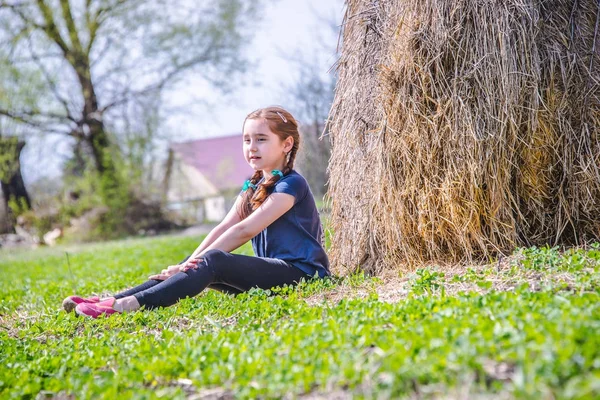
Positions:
{"x": 284, "y": 125}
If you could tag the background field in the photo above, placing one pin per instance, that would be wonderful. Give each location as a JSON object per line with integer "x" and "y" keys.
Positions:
{"x": 524, "y": 327}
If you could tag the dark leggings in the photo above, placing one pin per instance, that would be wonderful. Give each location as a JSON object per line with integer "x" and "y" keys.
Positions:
{"x": 226, "y": 272}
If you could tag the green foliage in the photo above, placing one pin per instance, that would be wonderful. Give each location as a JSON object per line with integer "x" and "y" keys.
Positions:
{"x": 272, "y": 344}
{"x": 116, "y": 195}
{"x": 426, "y": 281}
{"x": 86, "y": 194}
{"x": 8, "y": 156}
{"x": 110, "y": 191}
{"x": 471, "y": 275}
{"x": 17, "y": 206}
{"x": 21, "y": 86}
{"x": 552, "y": 259}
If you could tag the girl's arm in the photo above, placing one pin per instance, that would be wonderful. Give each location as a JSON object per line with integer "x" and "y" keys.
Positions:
{"x": 236, "y": 235}
{"x": 230, "y": 220}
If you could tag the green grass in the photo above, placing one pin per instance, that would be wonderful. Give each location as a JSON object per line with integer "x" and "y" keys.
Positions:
{"x": 435, "y": 341}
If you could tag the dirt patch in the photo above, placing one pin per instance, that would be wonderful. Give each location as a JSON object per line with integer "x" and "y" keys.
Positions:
{"x": 504, "y": 275}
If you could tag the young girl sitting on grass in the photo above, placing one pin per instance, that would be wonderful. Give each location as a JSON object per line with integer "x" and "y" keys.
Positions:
{"x": 276, "y": 210}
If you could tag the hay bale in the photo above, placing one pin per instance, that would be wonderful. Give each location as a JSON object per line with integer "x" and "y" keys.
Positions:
{"x": 463, "y": 128}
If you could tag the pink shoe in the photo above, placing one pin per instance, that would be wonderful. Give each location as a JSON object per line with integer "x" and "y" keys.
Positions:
{"x": 96, "y": 310}
{"x": 71, "y": 302}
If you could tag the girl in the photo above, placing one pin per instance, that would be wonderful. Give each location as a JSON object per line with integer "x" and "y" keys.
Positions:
{"x": 275, "y": 209}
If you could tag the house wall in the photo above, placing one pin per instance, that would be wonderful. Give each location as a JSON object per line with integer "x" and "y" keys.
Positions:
{"x": 192, "y": 198}
{"x": 187, "y": 183}
{"x": 215, "y": 208}
{"x": 188, "y": 212}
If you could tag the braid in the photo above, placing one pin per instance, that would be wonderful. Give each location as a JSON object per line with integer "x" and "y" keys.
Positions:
{"x": 290, "y": 164}
{"x": 263, "y": 192}
{"x": 246, "y": 207}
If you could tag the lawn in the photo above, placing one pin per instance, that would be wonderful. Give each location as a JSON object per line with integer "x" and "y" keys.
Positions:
{"x": 524, "y": 327}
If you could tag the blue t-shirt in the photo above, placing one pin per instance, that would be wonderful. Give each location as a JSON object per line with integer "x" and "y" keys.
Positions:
{"x": 297, "y": 236}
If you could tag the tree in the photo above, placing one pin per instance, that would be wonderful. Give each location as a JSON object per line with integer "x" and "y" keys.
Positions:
{"x": 95, "y": 56}
{"x": 14, "y": 194}
{"x": 14, "y": 197}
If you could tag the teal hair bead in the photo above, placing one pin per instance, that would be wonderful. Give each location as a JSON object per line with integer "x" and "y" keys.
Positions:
{"x": 248, "y": 185}
{"x": 277, "y": 172}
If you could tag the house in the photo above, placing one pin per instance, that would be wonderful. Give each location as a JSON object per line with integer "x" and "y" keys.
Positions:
{"x": 203, "y": 178}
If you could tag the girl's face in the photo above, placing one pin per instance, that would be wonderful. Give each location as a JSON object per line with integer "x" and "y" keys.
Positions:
{"x": 264, "y": 150}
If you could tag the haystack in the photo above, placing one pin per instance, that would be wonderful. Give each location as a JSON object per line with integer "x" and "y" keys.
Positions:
{"x": 462, "y": 129}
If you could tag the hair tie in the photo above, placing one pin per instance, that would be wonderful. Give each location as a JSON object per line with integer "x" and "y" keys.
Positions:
{"x": 277, "y": 172}
{"x": 248, "y": 185}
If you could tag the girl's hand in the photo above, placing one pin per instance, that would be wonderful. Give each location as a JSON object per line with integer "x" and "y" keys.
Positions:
{"x": 166, "y": 273}
{"x": 190, "y": 264}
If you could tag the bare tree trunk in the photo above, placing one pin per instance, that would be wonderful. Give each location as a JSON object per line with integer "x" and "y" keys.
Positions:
{"x": 92, "y": 118}
{"x": 11, "y": 182}
{"x": 6, "y": 225}
{"x": 167, "y": 178}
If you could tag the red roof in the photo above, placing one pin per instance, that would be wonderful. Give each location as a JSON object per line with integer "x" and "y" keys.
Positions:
{"x": 219, "y": 159}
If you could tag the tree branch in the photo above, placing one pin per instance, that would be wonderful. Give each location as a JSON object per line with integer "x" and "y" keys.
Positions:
{"x": 27, "y": 60}
{"x": 26, "y": 118}
{"x": 30, "y": 114}
{"x": 93, "y": 24}
{"x": 160, "y": 84}
{"x": 71, "y": 28}
{"x": 101, "y": 53}
{"x": 95, "y": 21}
{"x": 51, "y": 29}
{"x": 50, "y": 82}
{"x": 17, "y": 9}
{"x": 4, "y": 4}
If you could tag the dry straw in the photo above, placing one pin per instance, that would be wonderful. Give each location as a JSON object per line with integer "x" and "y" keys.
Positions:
{"x": 464, "y": 128}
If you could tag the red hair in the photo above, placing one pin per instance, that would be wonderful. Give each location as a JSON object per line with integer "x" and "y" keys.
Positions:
{"x": 284, "y": 125}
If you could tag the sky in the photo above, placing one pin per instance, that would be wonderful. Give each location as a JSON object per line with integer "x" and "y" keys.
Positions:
{"x": 288, "y": 27}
